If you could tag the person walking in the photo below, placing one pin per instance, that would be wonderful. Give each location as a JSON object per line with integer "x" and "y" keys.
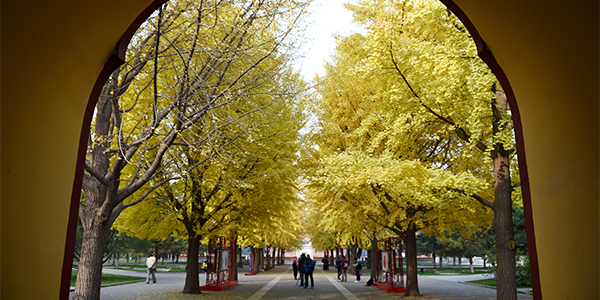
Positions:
{"x": 309, "y": 267}
{"x": 344, "y": 265}
{"x": 338, "y": 266}
{"x": 357, "y": 268}
{"x": 301, "y": 263}
{"x": 325, "y": 262}
{"x": 295, "y": 267}
{"x": 151, "y": 264}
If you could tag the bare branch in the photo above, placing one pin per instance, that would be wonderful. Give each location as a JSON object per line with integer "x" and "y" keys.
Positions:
{"x": 461, "y": 132}
{"x": 476, "y": 197}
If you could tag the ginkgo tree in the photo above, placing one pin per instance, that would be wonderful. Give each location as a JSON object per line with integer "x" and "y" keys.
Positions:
{"x": 401, "y": 196}
{"x": 349, "y": 119}
{"x": 427, "y": 56}
{"x": 246, "y": 170}
{"x": 188, "y": 61}
{"x": 398, "y": 93}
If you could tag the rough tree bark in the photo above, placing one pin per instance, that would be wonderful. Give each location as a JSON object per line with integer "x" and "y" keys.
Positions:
{"x": 236, "y": 260}
{"x": 373, "y": 258}
{"x": 257, "y": 259}
{"x": 238, "y": 250}
{"x": 331, "y": 258}
{"x": 90, "y": 264}
{"x": 503, "y": 222}
{"x": 410, "y": 240}
{"x": 192, "y": 279}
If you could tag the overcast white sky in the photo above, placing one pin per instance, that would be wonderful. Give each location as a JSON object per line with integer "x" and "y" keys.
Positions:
{"x": 328, "y": 17}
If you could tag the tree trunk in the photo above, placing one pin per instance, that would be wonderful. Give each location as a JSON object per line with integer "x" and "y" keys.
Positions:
{"x": 460, "y": 264}
{"x": 252, "y": 260}
{"x": 503, "y": 222}
{"x": 373, "y": 259}
{"x": 257, "y": 259}
{"x": 352, "y": 258}
{"x": 235, "y": 261}
{"x": 192, "y": 279}
{"x": 433, "y": 256}
{"x": 503, "y": 226}
{"x": 283, "y": 256}
{"x": 238, "y": 254}
{"x": 412, "y": 285}
{"x": 89, "y": 276}
{"x": 267, "y": 258}
{"x": 471, "y": 264}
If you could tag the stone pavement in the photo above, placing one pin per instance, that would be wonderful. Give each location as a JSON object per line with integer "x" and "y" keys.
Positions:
{"x": 279, "y": 283}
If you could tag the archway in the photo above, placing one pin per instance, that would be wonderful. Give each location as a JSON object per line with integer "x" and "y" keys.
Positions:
{"x": 565, "y": 84}
{"x": 119, "y": 58}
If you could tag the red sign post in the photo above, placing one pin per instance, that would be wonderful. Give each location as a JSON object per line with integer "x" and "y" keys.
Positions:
{"x": 251, "y": 266}
{"x": 390, "y": 271}
{"x": 221, "y": 261}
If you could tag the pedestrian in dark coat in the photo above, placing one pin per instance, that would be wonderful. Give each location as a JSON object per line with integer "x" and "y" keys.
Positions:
{"x": 295, "y": 267}
{"x": 301, "y": 265}
{"x": 338, "y": 266}
{"x": 325, "y": 262}
{"x": 309, "y": 267}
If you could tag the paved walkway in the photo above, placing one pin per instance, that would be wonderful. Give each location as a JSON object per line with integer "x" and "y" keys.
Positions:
{"x": 279, "y": 283}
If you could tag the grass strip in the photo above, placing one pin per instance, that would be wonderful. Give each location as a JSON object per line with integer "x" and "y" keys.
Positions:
{"x": 106, "y": 278}
{"x": 492, "y": 282}
{"x": 427, "y": 272}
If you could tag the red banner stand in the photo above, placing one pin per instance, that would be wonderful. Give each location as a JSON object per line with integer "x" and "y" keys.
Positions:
{"x": 251, "y": 266}
{"x": 221, "y": 261}
{"x": 390, "y": 268}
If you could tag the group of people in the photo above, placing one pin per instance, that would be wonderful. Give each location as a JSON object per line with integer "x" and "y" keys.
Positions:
{"x": 306, "y": 266}
{"x": 342, "y": 264}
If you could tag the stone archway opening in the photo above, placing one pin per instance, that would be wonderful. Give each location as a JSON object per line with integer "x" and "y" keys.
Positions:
{"x": 118, "y": 59}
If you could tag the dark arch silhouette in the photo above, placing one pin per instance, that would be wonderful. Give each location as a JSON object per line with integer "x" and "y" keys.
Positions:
{"x": 118, "y": 58}
{"x": 486, "y": 55}
{"x": 115, "y": 60}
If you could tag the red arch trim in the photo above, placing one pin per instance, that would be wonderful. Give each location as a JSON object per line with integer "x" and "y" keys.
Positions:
{"x": 115, "y": 60}
{"x": 486, "y": 55}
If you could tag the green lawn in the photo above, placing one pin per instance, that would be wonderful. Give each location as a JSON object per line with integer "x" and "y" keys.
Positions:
{"x": 106, "y": 278}
{"x": 492, "y": 282}
{"x": 144, "y": 270}
{"x": 141, "y": 267}
{"x": 451, "y": 271}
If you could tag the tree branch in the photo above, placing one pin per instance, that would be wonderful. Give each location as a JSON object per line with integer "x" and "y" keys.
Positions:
{"x": 461, "y": 132}
{"x": 476, "y": 197}
{"x": 96, "y": 175}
